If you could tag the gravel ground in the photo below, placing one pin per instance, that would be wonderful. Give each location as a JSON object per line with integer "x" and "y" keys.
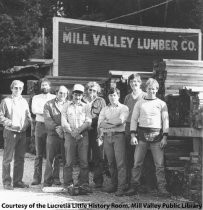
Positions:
{"x": 34, "y": 198}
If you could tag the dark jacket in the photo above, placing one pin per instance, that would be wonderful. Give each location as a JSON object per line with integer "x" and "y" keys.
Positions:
{"x": 96, "y": 108}
{"x": 52, "y": 116}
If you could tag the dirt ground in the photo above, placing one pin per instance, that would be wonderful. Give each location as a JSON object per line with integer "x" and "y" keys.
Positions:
{"x": 34, "y": 198}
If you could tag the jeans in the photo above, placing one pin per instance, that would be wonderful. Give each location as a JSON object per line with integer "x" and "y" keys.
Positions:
{"x": 53, "y": 151}
{"x": 96, "y": 152}
{"x": 130, "y": 152}
{"x": 114, "y": 148}
{"x": 40, "y": 146}
{"x": 14, "y": 143}
{"x": 71, "y": 147}
{"x": 158, "y": 157}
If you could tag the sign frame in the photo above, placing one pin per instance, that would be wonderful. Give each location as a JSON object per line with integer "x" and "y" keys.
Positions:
{"x": 57, "y": 20}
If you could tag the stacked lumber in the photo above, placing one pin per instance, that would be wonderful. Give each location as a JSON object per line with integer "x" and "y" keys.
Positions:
{"x": 184, "y": 74}
{"x": 183, "y": 109}
{"x": 178, "y": 149}
{"x": 192, "y": 186}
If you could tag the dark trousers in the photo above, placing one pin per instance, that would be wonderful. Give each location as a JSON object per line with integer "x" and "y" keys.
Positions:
{"x": 114, "y": 148}
{"x": 71, "y": 147}
{"x": 40, "y": 146}
{"x": 14, "y": 143}
{"x": 96, "y": 157}
{"x": 53, "y": 151}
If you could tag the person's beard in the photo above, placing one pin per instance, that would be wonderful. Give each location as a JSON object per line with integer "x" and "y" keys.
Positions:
{"x": 45, "y": 90}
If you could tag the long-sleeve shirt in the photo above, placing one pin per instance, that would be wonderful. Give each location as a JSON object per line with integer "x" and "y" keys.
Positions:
{"x": 120, "y": 111}
{"x": 15, "y": 114}
{"x": 52, "y": 115}
{"x": 150, "y": 113}
{"x": 75, "y": 115}
{"x": 38, "y": 103}
{"x": 130, "y": 103}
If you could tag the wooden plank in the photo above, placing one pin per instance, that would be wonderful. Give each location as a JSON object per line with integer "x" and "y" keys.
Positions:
{"x": 184, "y": 77}
{"x": 184, "y": 70}
{"x": 197, "y": 145}
{"x": 186, "y": 132}
{"x": 177, "y": 62}
{"x": 175, "y": 168}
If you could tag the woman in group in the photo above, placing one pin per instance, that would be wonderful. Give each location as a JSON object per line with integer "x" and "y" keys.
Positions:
{"x": 152, "y": 115}
{"x": 131, "y": 99}
{"x": 96, "y": 103}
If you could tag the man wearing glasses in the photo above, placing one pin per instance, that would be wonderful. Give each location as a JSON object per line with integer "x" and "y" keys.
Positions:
{"x": 96, "y": 104}
{"x": 15, "y": 117}
{"x": 52, "y": 120}
{"x": 75, "y": 121}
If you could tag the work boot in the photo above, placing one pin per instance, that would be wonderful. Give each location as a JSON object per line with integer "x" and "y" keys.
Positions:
{"x": 110, "y": 189}
{"x": 20, "y": 185}
{"x": 98, "y": 185}
{"x": 56, "y": 182}
{"x": 35, "y": 182}
{"x": 131, "y": 191}
{"x": 162, "y": 192}
{"x": 120, "y": 193}
{"x": 8, "y": 187}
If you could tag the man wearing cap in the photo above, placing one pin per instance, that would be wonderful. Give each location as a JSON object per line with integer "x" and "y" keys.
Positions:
{"x": 112, "y": 119}
{"x": 75, "y": 121}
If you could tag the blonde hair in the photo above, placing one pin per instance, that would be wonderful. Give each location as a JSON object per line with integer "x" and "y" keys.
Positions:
{"x": 152, "y": 82}
{"x": 16, "y": 82}
{"x": 93, "y": 84}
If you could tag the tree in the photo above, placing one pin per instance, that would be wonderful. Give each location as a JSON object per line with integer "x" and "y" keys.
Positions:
{"x": 19, "y": 28}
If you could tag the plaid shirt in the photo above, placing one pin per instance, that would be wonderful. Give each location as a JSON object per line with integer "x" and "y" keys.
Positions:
{"x": 75, "y": 115}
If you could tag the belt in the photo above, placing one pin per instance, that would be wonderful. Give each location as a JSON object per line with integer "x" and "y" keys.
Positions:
{"x": 114, "y": 133}
{"x": 39, "y": 122}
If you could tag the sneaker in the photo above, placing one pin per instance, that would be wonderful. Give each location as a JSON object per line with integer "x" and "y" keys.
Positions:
{"x": 8, "y": 187}
{"x": 20, "y": 185}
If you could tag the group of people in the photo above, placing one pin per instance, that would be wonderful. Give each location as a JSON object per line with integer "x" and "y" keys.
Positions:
{"x": 84, "y": 127}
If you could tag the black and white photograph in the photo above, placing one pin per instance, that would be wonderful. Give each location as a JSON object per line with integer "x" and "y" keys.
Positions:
{"x": 101, "y": 104}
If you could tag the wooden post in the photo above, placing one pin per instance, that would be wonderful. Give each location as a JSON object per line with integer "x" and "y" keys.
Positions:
{"x": 197, "y": 145}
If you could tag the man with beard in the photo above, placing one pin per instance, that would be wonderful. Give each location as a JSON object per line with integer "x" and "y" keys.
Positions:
{"x": 37, "y": 106}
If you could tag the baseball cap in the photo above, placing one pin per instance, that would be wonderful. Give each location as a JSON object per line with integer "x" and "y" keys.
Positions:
{"x": 79, "y": 88}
